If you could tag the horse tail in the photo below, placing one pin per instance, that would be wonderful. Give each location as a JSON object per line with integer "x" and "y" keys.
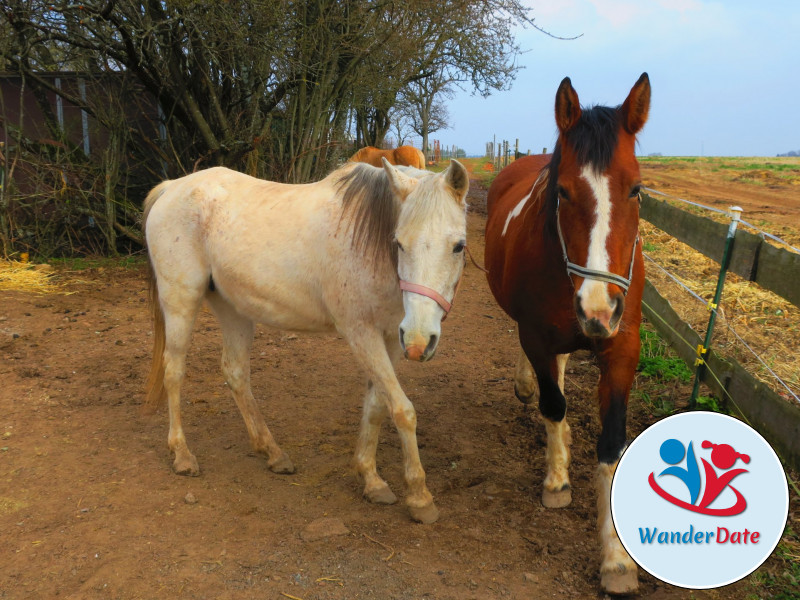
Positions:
{"x": 155, "y": 393}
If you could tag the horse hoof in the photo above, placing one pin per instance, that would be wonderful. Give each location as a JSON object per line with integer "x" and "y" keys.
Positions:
{"x": 557, "y": 499}
{"x": 186, "y": 466}
{"x": 282, "y": 466}
{"x": 424, "y": 514}
{"x": 381, "y": 495}
{"x": 620, "y": 584}
{"x": 522, "y": 398}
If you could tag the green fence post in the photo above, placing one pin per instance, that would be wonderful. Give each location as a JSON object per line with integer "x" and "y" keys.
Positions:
{"x": 702, "y": 351}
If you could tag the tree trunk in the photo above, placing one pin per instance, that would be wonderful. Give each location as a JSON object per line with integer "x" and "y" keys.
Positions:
{"x": 112, "y": 159}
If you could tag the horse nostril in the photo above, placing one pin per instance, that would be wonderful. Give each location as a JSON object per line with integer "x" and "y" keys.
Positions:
{"x": 403, "y": 338}
{"x": 579, "y": 309}
{"x": 431, "y": 343}
{"x": 619, "y": 307}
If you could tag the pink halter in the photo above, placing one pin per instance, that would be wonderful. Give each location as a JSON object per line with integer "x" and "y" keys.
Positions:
{"x": 422, "y": 290}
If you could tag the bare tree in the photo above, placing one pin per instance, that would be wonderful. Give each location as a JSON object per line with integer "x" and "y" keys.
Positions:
{"x": 469, "y": 43}
{"x": 423, "y": 105}
{"x": 269, "y": 87}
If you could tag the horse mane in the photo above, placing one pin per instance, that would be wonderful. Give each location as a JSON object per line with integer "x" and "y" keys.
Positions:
{"x": 593, "y": 139}
{"x": 368, "y": 203}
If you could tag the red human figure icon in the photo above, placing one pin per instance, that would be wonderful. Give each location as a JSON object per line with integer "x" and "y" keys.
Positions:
{"x": 724, "y": 457}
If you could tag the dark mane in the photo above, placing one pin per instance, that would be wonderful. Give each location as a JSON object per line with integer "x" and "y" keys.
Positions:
{"x": 593, "y": 139}
{"x": 548, "y": 206}
{"x": 369, "y": 206}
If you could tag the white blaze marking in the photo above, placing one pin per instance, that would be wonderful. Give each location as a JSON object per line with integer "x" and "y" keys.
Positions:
{"x": 598, "y": 253}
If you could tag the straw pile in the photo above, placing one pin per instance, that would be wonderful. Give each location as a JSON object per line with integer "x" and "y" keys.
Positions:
{"x": 30, "y": 278}
{"x": 769, "y": 324}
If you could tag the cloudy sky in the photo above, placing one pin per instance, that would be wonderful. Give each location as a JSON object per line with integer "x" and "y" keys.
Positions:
{"x": 725, "y": 75}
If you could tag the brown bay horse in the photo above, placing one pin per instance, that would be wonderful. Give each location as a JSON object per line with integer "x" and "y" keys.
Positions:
{"x": 565, "y": 262}
{"x": 403, "y": 156}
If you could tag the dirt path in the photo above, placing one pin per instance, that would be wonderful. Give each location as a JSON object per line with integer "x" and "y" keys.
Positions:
{"x": 89, "y": 507}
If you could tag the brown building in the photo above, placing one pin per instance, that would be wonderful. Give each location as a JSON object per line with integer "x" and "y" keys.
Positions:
{"x": 64, "y": 137}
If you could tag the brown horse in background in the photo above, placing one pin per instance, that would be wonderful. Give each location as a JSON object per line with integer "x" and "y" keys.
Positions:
{"x": 404, "y": 156}
{"x": 565, "y": 262}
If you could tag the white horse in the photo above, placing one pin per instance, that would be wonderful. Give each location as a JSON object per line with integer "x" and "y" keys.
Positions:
{"x": 325, "y": 256}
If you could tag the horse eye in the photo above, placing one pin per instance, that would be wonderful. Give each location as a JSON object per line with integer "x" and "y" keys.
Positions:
{"x": 459, "y": 247}
{"x": 563, "y": 193}
{"x": 637, "y": 189}
{"x": 399, "y": 246}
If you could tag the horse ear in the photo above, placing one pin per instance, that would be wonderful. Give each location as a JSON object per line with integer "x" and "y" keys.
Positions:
{"x": 637, "y": 105}
{"x": 568, "y": 107}
{"x": 402, "y": 184}
{"x": 457, "y": 178}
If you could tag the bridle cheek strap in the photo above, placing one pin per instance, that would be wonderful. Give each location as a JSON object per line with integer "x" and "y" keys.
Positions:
{"x": 619, "y": 280}
{"x": 605, "y": 276}
{"x": 422, "y": 290}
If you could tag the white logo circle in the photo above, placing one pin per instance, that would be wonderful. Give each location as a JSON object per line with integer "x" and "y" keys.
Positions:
{"x": 699, "y": 500}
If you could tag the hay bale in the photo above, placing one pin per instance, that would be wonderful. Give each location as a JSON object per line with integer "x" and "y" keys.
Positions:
{"x": 767, "y": 322}
{"x": 30, "y": 278}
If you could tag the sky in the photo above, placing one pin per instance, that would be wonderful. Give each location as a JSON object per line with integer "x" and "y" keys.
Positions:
{"x": 725, "y": 76}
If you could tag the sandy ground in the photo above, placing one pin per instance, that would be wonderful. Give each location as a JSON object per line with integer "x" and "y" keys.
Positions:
{"x": 89, "y": 507}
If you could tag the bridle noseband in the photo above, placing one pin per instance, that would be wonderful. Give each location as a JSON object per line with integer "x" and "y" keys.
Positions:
{"x": 607, "y": 277}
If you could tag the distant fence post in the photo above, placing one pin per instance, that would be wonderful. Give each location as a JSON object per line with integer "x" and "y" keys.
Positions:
{"x": 500, "y": 152}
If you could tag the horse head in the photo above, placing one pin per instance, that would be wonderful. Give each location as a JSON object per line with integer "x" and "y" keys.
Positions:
{"x": 597, "y": 184}
{"x": 430, "y": 238}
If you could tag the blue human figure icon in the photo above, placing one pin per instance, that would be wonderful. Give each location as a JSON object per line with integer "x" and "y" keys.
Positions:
{"x": 672, "y": 452}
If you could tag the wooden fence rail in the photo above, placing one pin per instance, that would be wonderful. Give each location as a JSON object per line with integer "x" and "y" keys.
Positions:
{"x": 775, "y": 269}
{"x": 769, "y": 414}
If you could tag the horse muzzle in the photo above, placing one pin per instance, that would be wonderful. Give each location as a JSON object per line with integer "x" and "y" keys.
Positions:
{"x": 418, "y": 349}
{"x": 601, "y": 322}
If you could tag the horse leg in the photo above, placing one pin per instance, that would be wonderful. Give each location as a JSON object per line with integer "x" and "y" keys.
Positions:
{"x": 370, "y": 348}
{"x": 375, "y": 411}
{"x": 525, "y": 388}
{"x": 180, "y": 308}
{"x": 618, "y": 572}
{"x": 556, "y": 491}
{"x": 237, "y": 336}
